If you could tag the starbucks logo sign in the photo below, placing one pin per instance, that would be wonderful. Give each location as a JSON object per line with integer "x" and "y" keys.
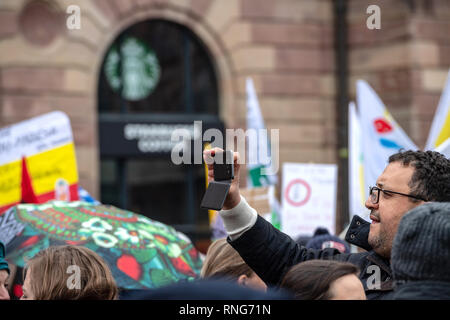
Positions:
{"x": 132, "y": 69}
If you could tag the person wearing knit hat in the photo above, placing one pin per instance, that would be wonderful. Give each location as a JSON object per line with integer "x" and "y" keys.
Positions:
{"x": 323, "y": 239}
{"x": 4, "y": 274}
{"x": 420, "y": 259}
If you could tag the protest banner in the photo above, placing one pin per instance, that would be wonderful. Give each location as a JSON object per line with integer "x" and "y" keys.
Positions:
{"x": 37, "y": 161}
{"x": 309, "y": 198}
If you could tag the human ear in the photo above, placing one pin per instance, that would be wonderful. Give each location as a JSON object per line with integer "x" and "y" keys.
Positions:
{"x": 242, "y": 280}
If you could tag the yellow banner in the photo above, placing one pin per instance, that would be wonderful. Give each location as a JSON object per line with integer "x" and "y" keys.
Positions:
{"x": 45, "y": 169}
{"x": 10, "y": 178}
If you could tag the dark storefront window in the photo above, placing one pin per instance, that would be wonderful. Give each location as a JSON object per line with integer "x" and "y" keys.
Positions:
{"x": 156, "y": 72}
{"x": 187, "y": 80}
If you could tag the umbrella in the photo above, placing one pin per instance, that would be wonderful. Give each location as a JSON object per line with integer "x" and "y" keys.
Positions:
{"x": 141, "y": 252}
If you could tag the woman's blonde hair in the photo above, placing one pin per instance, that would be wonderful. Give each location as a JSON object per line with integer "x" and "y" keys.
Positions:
{"x": 223, "y": 261}
{"x": 50, "y": 272}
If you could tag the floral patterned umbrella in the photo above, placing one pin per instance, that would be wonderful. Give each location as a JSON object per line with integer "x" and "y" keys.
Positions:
{"x": 142, "y": 253}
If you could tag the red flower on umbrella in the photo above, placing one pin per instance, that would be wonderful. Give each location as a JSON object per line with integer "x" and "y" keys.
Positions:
{"x": 161, "y": 239}
{"x": 182, "y": 266}
{"x": 30, "y": 241}
{"x": 193, "y": 253}
{"x": 128, "y": 265}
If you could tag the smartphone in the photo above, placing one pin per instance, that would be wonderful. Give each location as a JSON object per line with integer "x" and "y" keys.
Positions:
{"x": 223, "y": 166}
{"x": 215, "y": 195}
{"x": 217, "y": 191}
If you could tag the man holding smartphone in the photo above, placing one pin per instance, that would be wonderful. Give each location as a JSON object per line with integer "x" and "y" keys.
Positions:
{"x": 410, "y": 179}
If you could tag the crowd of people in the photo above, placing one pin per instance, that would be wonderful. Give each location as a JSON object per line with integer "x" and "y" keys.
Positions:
{"x": 406, "y": 250}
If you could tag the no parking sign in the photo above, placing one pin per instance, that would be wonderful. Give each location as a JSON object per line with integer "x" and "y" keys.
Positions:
{"x": 309, "y": 198}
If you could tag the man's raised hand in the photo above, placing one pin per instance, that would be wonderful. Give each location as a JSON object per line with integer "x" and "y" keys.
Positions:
{"x": 233, "y": 198}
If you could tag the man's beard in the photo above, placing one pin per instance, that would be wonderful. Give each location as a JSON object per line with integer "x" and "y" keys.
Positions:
{"x": 376, "y": 242}
{"x": 379, "y": 243}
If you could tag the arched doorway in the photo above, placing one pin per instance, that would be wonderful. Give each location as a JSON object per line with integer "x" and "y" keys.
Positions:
{"x": 156, "y": 76}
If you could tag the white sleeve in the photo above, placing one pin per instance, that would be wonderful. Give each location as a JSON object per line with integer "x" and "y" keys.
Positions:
{"x": 239, "y": 219}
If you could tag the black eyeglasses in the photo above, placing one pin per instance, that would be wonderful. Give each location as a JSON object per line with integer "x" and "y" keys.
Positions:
{"x": 375, "y": 196}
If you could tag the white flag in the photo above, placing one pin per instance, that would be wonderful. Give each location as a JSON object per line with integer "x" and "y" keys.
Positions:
{"x": 440, "y": 128}
{"x": 257, "y": 144}
{"x": 357, "y": 190}
{"x": 381, "y": 135}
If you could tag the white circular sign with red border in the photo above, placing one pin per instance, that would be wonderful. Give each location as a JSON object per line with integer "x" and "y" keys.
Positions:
{"x": 298, "y": 192}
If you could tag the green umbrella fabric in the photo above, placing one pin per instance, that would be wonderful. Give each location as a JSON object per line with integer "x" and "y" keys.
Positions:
{"x": 141, "y": 252}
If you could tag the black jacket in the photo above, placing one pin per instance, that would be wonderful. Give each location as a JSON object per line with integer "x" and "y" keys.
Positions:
{"x": 270, "y": 253}
{"x": 421, "y": 290}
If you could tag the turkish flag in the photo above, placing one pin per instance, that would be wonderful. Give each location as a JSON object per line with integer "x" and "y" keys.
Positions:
{"x": 28, "y": 195}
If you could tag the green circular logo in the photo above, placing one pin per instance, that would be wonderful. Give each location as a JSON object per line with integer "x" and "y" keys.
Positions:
{"x": 133, "y": 71}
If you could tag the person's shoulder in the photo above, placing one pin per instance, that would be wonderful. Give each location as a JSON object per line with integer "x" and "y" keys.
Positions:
{"x": 205, "y": 289}
{"x": 358, "y": 258}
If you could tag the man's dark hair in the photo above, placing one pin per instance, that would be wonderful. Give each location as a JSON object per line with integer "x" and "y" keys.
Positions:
{"x": 311, "y": 280}
{"x": 431, "y": 177}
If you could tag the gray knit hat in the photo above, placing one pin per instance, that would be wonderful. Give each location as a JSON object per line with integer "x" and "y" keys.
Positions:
{"x": 421, "y": 248}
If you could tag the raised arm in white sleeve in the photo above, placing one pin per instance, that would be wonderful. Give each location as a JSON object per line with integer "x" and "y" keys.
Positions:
{"x": 238, "y": 219}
